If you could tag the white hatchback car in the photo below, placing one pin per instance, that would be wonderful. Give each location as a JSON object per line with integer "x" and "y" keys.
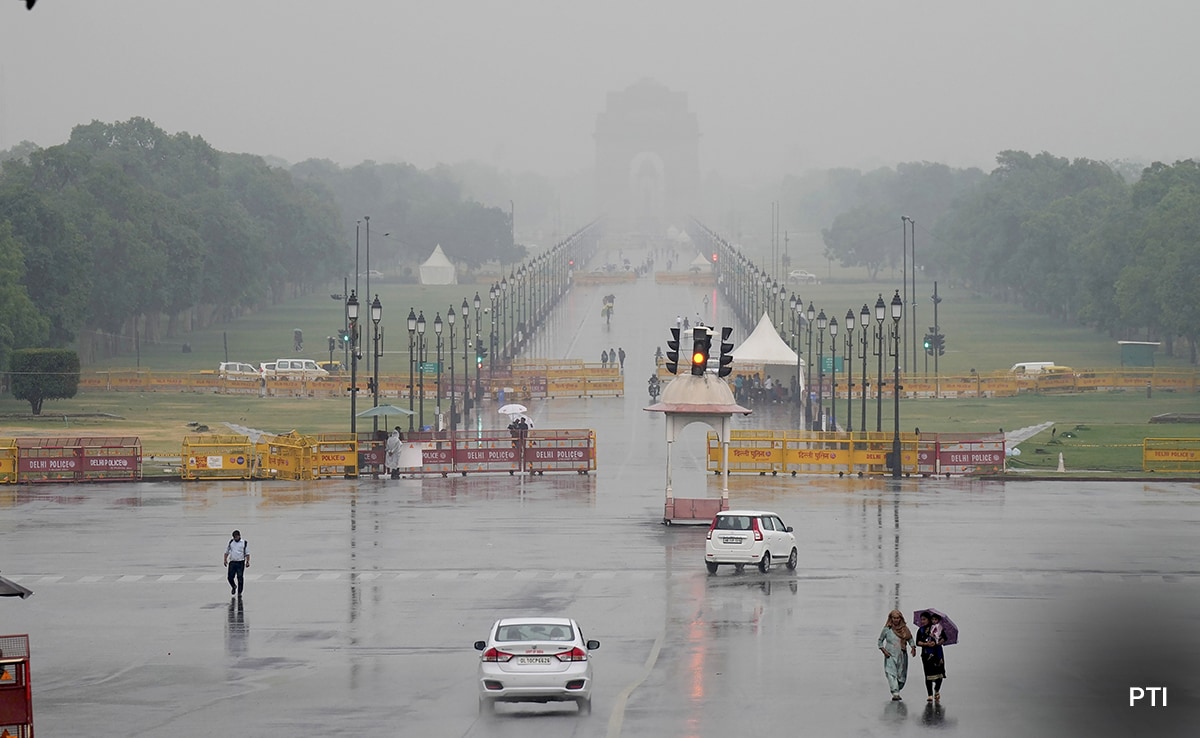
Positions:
{"x": 800, "y": 275}
{"x": 741, "y": 537}
{"x": 535, "y": 660}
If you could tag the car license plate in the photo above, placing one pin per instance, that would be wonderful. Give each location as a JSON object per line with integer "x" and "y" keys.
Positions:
{"x": 533, "y": 659}
{"x": 731, "y": 539}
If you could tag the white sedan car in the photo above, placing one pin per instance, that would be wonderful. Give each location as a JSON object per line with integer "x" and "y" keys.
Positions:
{"x": 800, "y": 275}
{"x": 535, "y": 659}
{"x": 741, "y": 537}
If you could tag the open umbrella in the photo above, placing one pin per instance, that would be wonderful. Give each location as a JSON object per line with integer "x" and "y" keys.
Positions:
{"x": 384, "y": 410}
{"x": 949, "y": 629}
{"x": 9, "y": 588}
{"x": 513, "y": 409}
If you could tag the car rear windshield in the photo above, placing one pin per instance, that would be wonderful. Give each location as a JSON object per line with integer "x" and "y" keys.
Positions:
{"x": 534, "y": 632}
{"x": 733, "y": 522}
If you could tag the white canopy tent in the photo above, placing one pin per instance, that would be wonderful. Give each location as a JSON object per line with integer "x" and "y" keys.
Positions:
{"x": 437, "y": 269}
{"x": 700, "y": 261}
{"x": 763, "y": 347}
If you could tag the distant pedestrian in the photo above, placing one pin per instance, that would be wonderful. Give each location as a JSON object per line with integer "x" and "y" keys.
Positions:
{"x": 895, "y": 642}
{"x": 621, "y": 356}
{"x": 604, "y": 359}
{"x": 237, "y": 560}
{"x": 391, "y": 460}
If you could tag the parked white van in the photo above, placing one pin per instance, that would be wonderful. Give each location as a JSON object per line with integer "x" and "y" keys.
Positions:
{"x": 294, "y": 369}
{"x": 1032, "y": 368}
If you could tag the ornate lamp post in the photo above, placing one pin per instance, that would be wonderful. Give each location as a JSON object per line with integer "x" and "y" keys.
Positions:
{"x": 822, "y": 324}
{"x": 466, "y": 393}
{"x": 849, "y": 371}
{"x": 504, "y": 306}
{"x": 421, "y": 368}
{"x": 794, "y": 307}
{"x": 811, "y": 314}
{"x": 493, "y": 293}
{"x": 897, "y": 314}
{"x": 437, "y": 382}
{"x": 412, "y": 329}
{"x": 864, "y": 320}
{"x": 376, "y": 353}
{"x": 450, "y": 318}
{"x": 352, "y": 314}
{"x": 478, "y": 343}
{"x": 833, "y": 331}
{"x": 880, "y": 350}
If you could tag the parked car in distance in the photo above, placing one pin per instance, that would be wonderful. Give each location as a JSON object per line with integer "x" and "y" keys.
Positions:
{"x": 333, "y": 367}
{"x": 294, "y": 369}
{"x": 800, "y": 275}
{"x": 238, "y": 370}
{"x": 740, "y": 537}
{"x": 374, "y": 273}
{"x": 535, "y": 659}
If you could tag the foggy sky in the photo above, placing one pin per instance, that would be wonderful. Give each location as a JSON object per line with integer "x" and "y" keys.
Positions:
{"x": 776, "y": 86}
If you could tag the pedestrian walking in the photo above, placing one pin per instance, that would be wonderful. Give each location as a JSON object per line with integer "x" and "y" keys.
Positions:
{"x": 896, "y": 641}
{"x": 621, "y": 356}
{"x": 391, "y": 459}
{"x": 237, "y": 560}
{"x": 603, "y": 359}
{"x": 933, "y": 658}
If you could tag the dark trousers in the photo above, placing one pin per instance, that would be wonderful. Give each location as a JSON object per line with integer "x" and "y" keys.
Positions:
{"x": 237, "y": 569}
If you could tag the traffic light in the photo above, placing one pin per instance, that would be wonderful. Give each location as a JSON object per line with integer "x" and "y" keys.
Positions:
{"x": 480, "y": 352}
{"x": 344, "y": 335}
{"x": 673, "y": 351}
{"x": 939, "y": 342}
{"x": 332, "y": 343}
{"x": 929, "y": 347}
{"x": 723, "y": 364}
{"x": 701, "y": 346}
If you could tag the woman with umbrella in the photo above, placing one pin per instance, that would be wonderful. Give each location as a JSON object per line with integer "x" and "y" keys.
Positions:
{"x": 893, "y": 642}
{"x": 930, "y": 638}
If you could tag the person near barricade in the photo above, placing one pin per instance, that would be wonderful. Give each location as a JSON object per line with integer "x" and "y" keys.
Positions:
{"x": 621, "y": 356}
{"x": 896, "y": 641}
{"x": 658, "y": 356}
{"x": 237, "y": 560}
{"x": 391, "y": 459}
{"x": 603, "y": 359}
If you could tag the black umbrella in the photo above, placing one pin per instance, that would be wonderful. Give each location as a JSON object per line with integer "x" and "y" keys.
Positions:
{"x": 9, "y": 588}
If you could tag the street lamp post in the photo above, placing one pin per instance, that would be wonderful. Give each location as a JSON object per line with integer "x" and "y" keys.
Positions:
{"x": 376, "y": 353}
{"x": 478, "y": 342}
{"x": 794, "y": 307}
{"x": 450, "y": 318}
{"x": 437, "y": 382}
{"x": 864, "y": 320}
{"x": 466, "y": 331}
{"x": 421, "y": 369}
{"x": 506, "y": 307}
{"x": 412, "y": 329}
{"x": 849, "y": 371}
{"x": 352, "y": 313}
{"x": 811, "y": 315}
{"x": 880, "y": 314}
{"x": 833, "y": 331}
{"x": 493, "y": 293}
{"x": 897, "y": 314}
{"x": 822, "y": 324}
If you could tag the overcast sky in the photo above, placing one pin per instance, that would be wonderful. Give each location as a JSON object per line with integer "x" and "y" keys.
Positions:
{"x": 777, "y": 86}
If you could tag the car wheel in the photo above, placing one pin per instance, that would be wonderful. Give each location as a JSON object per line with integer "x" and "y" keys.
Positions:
{"x": 712, "y": 567}
{"x": 765, "y": 565}
{"x": 585, "y": 706}
{"x": 486, "y": 707}
{"x": 793, "y": 557}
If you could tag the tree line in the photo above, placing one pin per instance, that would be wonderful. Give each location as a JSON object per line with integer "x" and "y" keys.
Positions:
{"x": 126, "y": 232}
{"x": 1085, "y": 241}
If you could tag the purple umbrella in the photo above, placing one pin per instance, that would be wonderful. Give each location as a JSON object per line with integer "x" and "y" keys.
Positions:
{"x": 949, "y": 629}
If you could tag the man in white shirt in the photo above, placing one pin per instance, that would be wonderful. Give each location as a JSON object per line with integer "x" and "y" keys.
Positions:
{"x": 237, "y": 559}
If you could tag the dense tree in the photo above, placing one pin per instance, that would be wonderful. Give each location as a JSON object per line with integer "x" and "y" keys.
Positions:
{"x": 43, "y": 374}
{"x": 21, "y": 324}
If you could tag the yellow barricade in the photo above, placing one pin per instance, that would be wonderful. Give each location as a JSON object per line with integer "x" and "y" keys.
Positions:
{"x": 285, "y": 457}
{"x": 1171, "y": 454}
{"x": 8, "y": 461}
{"x": 217, "y": 457}
{"x": 802, "y": 452}
{"x": 335, "y": 455}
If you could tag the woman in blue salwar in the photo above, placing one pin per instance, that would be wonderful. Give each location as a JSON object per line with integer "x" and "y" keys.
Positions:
{"x": 895, "y": 641}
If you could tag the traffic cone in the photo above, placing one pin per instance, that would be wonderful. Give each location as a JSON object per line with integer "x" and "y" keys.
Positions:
{"x": 1061, "y": 467}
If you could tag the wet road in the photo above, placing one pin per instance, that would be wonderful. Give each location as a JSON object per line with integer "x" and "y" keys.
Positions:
{"x": 365, "y": 596}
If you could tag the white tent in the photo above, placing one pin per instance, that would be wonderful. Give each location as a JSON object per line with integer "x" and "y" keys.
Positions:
{"x": 700, "y": 261}
{"x": 437, "y": 269}
{"x": 765, "y": 348}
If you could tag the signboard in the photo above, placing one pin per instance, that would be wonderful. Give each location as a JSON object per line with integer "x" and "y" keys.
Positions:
{"x": 63, "y": 464}
{"x": 828, "y": 365}
{"x": 428, "y": 367}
